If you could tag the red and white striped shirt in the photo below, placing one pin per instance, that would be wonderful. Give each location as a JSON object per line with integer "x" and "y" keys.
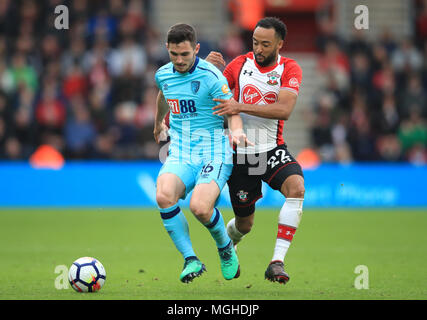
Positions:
{"x": 253, "y": 84}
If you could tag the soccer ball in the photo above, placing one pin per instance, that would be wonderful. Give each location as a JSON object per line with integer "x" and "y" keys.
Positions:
{"x": 87, "y": 275}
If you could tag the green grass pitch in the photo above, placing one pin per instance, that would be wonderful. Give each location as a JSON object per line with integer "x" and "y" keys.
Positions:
{"x": 142, "y": 262}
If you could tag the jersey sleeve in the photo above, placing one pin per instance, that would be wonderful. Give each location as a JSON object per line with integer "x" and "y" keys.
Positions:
{"x": 220, "y": 88}
{"x": 292, "y": 77}
{"x": 232, "y": 70}
{"x": 157, "y": 79}
{"x": 232, "y": 73}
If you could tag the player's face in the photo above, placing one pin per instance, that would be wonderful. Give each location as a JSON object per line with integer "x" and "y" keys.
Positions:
{"x": 182, "y": 55}
{"x": 266, "y": 46}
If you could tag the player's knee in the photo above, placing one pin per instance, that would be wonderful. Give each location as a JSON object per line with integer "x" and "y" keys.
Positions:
{"x": 293, "y": 187}
{"x": 165, "y": 199}
{"x": 297, "y": 192}
{"x": 244, "y": 227}
{"x": 201, "y": 210}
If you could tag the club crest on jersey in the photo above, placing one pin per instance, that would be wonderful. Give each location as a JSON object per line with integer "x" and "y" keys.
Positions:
{"x": 195, "y": 86}
{"x": 272, "y": 78}
{"x": 243, "y": 196}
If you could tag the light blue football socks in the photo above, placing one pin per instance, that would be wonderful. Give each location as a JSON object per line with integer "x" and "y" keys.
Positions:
{"x": 217, "y": 229}
{"x": 176, "y": 225}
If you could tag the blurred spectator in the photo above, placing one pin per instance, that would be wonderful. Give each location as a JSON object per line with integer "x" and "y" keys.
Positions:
{"x": 74, "y": 55}
{"x": 361, "y": 72}
{"x": 22, "y": 74}
{"x": 22, "y": 119}
{"x": 334, "y": 62}
{"x": 80, "y": 132}
{"x": 358, "y": 44}
{"x": 144, "y": 120}
{"x": 2, "y": 137}
{"x": 389, "y": 148}
{"x": 406, "y": 57}
{"x": 322, "y": 136}
{"x": 413, "y": 134}
{"x": 75, "y": 82}
{"x": 50, "y": 112}
{"x": 50, "y": 49}
{"x": 128, "y": 59}
{"x": 13, "y": 150}
{"x": 7, "y": 16}
{"x": 102, "y": 24}
{"x": 387, "y": 40}
{"x": 232, "y": 45}
{"x": 125, "y": 132}
{"x": 413, "y": 96}
{"x": 388, "y": 119}
{"x": 78, "y": 10}
{"x": 361, "y": 136}
{"x": 421, "y": 23}
{"x": 326, "y": 34}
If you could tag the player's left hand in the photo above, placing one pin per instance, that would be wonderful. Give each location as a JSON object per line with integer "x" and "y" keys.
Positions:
{"x": 216, "y": 59}
{"x": 239, "y": 138}
{"x": 226, "y": 107}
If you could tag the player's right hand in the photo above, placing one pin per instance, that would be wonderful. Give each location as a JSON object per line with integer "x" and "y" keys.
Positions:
{"x": 239, "y": 138}
{"x": 216, "y": 59}
{"x": 160, "y": 132}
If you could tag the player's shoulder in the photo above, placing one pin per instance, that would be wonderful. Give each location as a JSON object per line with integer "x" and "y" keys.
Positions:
{"x": 240, "y": 60}
{"x": 208, "y": 69}
{"x": 165, "y": 69}
{"x": 289, "y": 64}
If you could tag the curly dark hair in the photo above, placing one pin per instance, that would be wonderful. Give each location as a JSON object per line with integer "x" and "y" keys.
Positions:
{"x": 276, "y": 23}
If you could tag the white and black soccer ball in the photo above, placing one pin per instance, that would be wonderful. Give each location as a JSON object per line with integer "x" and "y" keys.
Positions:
{"x": 87, "y": 275}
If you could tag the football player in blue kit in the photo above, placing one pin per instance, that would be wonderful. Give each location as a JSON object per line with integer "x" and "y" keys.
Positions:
{"x": 200, "y": 155}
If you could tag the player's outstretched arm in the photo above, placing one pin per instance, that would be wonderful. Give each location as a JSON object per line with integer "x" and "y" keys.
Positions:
{"x": 160, "y": 129}
{"x": 280, "y": 110}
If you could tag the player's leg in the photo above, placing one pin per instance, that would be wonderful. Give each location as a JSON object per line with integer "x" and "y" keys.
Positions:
{"x": 170, "y": 188}
{"x": 202, "y": 204}
{"x": 239, "y": 226}
{"x": 244, "y": 190}
{"x": 289, "y": 219}
{"x": 288, "y": 178}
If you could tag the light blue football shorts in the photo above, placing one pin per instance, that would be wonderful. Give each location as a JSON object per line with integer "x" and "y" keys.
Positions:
{"x": 193, "y": 174}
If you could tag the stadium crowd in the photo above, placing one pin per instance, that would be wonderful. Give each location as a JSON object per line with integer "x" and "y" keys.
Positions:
{"x": 373, "y": 102}
{"x": 89, "y": 91}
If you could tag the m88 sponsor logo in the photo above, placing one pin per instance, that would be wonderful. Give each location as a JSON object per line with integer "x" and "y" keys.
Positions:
{"x": 180, "y": 106}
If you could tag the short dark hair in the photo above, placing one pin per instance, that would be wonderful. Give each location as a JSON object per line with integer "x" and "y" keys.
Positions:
{"x": 276, "y": 24}
{"x": 181, "y": 32}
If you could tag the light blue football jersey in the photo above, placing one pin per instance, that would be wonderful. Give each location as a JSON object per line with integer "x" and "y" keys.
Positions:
{"x": 194, "y": 129}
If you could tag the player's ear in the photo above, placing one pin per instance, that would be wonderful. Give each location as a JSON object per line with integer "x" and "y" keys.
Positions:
{"x": 196, "y": 50}
{"x": 167, "y": 45}
{"x": 280, "y": 44}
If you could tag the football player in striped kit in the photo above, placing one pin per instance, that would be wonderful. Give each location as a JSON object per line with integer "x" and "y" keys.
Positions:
{"x": 266, "y": 87}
